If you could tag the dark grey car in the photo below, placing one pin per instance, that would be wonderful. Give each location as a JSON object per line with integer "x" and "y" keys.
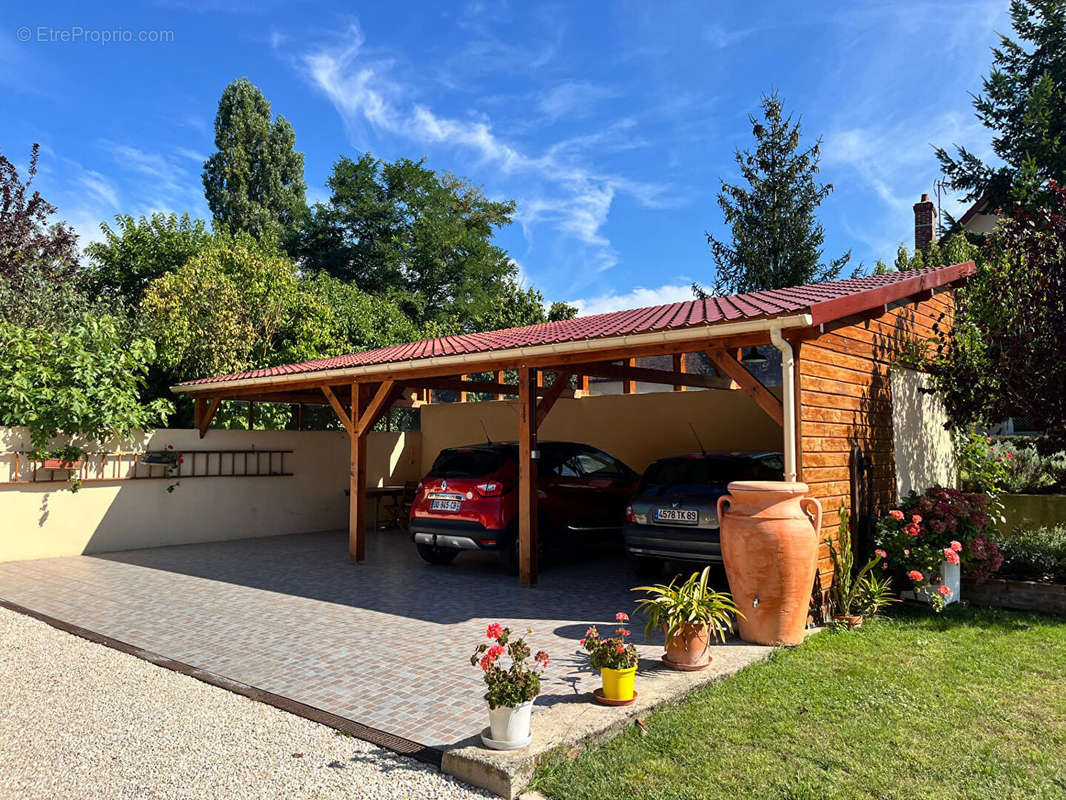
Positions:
{"x": 673, "y": 515}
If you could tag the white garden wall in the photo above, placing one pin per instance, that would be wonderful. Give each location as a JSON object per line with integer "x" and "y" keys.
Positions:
{"x": 46, "y": 519}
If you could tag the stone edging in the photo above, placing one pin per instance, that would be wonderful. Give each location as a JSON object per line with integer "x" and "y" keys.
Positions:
{"x": 1019, "y": 595}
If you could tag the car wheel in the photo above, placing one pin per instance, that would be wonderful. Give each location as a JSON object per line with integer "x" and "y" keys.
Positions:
{"x": 436, "y": 556}
{"x": 509, "y": 555}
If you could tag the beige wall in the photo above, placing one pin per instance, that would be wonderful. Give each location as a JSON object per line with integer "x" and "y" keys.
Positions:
{"x": 637, "y": 428}
{"x": 924, "y": 452}
{"x": 46, "y": 519}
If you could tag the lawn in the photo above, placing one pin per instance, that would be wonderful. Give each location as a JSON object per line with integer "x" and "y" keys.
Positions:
{"x": 970, "y": 704}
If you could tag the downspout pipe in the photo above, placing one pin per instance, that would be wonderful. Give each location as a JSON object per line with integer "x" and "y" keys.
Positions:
{"x": 788, "y": 399}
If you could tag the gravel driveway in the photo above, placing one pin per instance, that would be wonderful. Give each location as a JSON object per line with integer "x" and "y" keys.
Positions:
{"x": 79, "y": 720}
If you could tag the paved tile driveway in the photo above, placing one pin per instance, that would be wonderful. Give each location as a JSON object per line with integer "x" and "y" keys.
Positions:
{"x": 384, "y": 643}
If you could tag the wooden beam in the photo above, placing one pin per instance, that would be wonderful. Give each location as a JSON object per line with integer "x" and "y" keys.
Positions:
{"x": 679, "y": 368}
{"x": 199, "y": 407}
{"x": 727, "y": 364}
{"x": 382, "y": 398}
{"x": 560, "y": 383}
{"x": 357, "y": 486}
{"x": 585, "y": 384}
{"x": 208, "y": 415}
{"x": 628, "y": 384}
{"x": 339, "y": 409}
{"x": 462, "y": 396}
{"x": 527, "y": 478}
{"x": 499, "y": 380}
{"x": 648, "y": 375}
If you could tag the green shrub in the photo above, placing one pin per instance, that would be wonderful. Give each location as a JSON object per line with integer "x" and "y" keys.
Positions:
{"x": 1026, "y": 469}
{"x": 1036, "y": 554}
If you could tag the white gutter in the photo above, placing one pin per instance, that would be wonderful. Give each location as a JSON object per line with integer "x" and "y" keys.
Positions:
{"x": 467, "y": 362}
{"x": 788, "y": 399}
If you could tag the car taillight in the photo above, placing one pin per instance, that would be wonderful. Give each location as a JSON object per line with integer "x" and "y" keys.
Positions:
{"x": 490, "y": 489}
{"x": 630, "y": 516}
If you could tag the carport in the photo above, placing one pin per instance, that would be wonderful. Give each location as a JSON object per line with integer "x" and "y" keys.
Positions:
{"x": 837, "y": 341}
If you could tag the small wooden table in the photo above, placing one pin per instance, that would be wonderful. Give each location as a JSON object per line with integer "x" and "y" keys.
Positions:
{"x": 378, "y": 493}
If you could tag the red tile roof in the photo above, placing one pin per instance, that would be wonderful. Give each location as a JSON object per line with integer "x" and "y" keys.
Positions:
{"x": 824, "y": 301}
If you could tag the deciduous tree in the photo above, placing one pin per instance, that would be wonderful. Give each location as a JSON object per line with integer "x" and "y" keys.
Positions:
{"x": 255, "y": 181}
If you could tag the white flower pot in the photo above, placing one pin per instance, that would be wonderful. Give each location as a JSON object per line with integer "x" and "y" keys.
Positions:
{"x": 511, "y": 724}
{"x": 952, "y": 575}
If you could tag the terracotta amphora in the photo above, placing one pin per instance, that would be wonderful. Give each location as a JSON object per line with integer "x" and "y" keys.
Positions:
{"x": 770, "y": 535}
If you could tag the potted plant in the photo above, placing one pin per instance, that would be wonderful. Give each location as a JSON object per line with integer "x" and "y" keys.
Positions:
{"x": 855, "y": 595}
{"x": 68, "y": 458}
{"x": 931, "y": 537}
{"x": 616, "y": 660}
{"x": 512, "y": 690}
{"x": 691, "y": 614}
{"x": 168, "y": 458}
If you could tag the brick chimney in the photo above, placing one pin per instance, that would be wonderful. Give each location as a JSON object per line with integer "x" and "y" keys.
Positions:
{"x": 924, "y": 224}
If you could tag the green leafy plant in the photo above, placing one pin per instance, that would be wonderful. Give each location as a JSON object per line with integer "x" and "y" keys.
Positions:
{"x": 981, "y": 469}
{"x": 1035, "y": 555}
{"x": 517, "y": 683}
{"x": 80, "y": 384}
{"x": 860, "y": 593}
{"x": 611, "y": 653}
{"x": 673, "y": 606}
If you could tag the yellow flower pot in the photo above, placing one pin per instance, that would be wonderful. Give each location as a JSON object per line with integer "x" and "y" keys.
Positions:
{"x": 618, "y": 683}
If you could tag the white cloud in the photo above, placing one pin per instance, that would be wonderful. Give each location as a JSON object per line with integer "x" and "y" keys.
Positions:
{"x": 637, "y": 298}
{"x": 99, "y": 188}
{"x": 556, "y": 188}
{"x": 573, "y": 98}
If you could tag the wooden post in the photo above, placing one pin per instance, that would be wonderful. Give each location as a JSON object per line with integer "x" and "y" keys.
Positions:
{"x": 679, "y": 366}
{"x": 300, "y": 417}
{"x": 499, "y": 379}
{"x": 628, "y": 386}
{"x": 357, "y": 485}
{"x": 198, "y": 411}
{"x": 527, "y": 477}
{"x": 462, "y": 395}
{"x": 251, "y": 415}
{"x": 585, "y": 384}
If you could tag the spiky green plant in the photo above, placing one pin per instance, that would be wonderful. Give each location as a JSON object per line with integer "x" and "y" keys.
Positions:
{"x": 672, "y": 606}
{"x": 862, "y": 593}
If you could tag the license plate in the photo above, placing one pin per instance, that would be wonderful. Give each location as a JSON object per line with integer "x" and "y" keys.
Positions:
{"x": 686, "y": 516}
{"x": 444, "y": 505}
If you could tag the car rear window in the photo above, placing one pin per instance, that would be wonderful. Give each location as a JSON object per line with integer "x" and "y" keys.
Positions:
{"x": 467, "y": 462}
{"x": 707, "y": 471}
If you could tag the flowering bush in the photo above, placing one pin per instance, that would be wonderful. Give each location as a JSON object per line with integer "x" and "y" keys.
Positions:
{"x": 941, "y": 525}
{"x": 518, "y": 683}
{"x": 612, "y": 653}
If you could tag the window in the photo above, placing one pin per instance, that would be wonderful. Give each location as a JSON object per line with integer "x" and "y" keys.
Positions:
{"x": 594, "y": 464}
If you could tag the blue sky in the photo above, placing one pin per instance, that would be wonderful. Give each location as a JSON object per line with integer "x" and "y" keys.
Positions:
{"x": 609, "y": 124}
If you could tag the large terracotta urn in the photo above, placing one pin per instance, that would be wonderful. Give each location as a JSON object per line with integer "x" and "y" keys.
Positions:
{"x": 770, "y": 535}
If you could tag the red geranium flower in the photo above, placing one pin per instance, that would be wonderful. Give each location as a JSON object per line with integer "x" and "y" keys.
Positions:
{"x": 945, "y": 591}
{"x": 494, "y": 631}
{"x": 915, "y": 575}
{"x": 622, "y": 616}
{"x": 895, "y": 512}
{"x": 621, "y": 631}
{"x": 916, "y": 519}
{"x": 621, "y": 649}
{"x": 956, "y": 546}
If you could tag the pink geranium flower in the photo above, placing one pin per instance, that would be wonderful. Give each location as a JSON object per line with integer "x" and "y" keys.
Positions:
{"x": 622, "y": 616}
{"x": 881, "y": 553}
{"x": 895, "y": 512}
{"x": 951, "y": 556}
{"x": 915, "y": 575}
{"x": 956, "y": 546}
{"x": 916, "y": 519}
{"x": 944, "y": 591}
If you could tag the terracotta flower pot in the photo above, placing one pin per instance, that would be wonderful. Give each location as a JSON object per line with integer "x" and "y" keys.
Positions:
{"x": 849, "y": 620}
{"x": 689, "y": 649}
{"x": 769, "y": 533}
{"x": 61, "y": 463}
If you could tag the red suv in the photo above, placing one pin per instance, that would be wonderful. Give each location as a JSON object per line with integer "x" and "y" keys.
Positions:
{"x": 469, "y": 499}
